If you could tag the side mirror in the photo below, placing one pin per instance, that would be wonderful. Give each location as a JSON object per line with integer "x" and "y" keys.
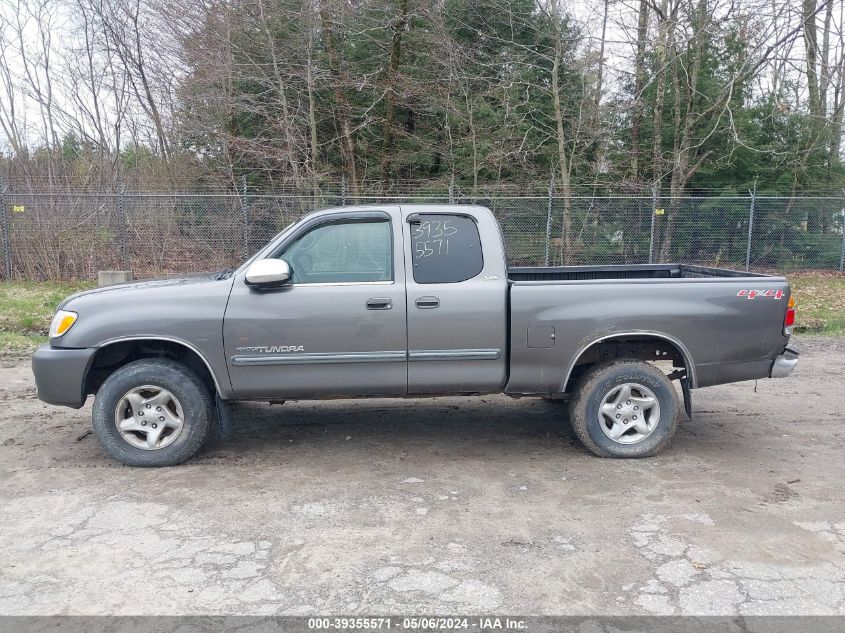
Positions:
{"x": 268, "y": 273}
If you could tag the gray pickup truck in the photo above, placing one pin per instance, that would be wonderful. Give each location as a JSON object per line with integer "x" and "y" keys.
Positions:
{"x": 409, "y": 300}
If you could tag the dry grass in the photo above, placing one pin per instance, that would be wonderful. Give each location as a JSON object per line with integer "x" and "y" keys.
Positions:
{"x": 26, "y": 309}
{"x": 820, "y": 301}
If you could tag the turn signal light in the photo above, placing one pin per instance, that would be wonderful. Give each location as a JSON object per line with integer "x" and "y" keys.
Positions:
{"x": 62, "y": 322}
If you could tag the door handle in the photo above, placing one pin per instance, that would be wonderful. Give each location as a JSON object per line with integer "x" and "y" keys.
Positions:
{"x": 379, "y": 303}
{"x": 427, "y": 303}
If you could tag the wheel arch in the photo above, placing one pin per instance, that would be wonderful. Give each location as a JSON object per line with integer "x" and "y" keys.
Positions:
{"x": 117, "y": 352}
{"x": 635, "y": 337}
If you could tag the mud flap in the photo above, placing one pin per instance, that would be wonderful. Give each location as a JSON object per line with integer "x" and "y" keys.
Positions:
{"x": 224, "y": 417}
{"x": 687, "y": 396}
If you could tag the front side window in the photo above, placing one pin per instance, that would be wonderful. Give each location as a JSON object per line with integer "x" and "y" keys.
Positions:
{"x": 340, "y": 252}
{"x": 445, "y": 248}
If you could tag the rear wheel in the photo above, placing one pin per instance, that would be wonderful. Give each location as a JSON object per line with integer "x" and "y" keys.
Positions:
{"x": 153, "y": 412}
{"x": 624, "y": 409}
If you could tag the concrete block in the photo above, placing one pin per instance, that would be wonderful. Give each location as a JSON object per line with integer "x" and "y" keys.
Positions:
{"x": 111, "y": 277}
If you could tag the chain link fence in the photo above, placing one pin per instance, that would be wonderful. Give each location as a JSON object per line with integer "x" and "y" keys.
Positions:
{"x": 60, "y": 236}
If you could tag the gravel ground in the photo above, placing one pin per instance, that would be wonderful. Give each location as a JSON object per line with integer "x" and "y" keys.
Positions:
{"x": 472, "y": 505}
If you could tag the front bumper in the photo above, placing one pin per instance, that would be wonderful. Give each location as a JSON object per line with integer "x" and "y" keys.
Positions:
{"x": 784, "y": 364}
{"x": 60, "y": 374}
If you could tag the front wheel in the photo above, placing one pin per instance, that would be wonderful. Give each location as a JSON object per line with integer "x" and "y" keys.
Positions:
{"x": 152, "y": 412}
{"x": 624, "y": 409}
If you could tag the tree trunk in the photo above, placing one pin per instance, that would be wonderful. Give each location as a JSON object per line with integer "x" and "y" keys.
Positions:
{"x": 600, "y": 70}
{"x": 148, "y": 93}
{"x": 675, "y": 186}
{"x": 474, "y": 139}
{"x": 390, "y": 96}
{"x": 565, "y": 184}
{"x": 347, "y": 146}
{"x": 836, "y": 119}
{"x": 824, "y": 79}
{"x": 283, "y": 99}
{"x": 660, "y": 89}
{"x": 811, "y": 55}
{"x": 681, "y": 170}
{"x": 639, "y": 83}
{"x": 312, "y": 104}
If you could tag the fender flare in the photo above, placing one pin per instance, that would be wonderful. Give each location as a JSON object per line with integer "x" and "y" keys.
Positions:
{"x": 685, "y": 353}
{"x": 169, "y": 339}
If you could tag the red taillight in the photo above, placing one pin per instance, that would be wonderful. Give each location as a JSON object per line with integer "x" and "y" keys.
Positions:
{"x": 789, "y": 317}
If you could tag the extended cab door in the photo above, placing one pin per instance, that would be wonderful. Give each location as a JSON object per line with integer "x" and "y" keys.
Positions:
{"x": 457, "y": 300}
{"x": 338, "y": 329}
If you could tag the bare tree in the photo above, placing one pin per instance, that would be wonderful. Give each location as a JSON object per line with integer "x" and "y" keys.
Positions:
{"x": 123, "y": 22}
{"x": 343, "y": 114}
{"x": 639, "y": 86}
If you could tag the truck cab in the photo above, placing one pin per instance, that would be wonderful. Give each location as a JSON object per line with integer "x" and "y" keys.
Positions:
{"x": 388, "y": 301}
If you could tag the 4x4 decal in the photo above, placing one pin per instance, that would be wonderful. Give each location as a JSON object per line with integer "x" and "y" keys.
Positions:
{"x": 770, "y": 293}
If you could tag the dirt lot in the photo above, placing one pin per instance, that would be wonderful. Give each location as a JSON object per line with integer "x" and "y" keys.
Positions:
{"x": 472, "y": 505}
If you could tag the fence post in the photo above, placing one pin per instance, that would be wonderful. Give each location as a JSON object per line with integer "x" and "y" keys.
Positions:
{"x": 753, "y": 194}
{"x": 549, "y": 217}
{"x": 452, "y": 192}
{"x": 842, "y": 252}
{"x": 245, "y": 218}
{"x": 122, "y": 226}
{"x": 653, "y": 220}
{"x": 343, "y": 191}
{"x": 7, "y": 248}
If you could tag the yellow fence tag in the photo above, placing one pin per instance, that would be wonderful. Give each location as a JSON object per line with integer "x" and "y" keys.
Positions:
{"x": 18, "y": 208}
{"x": 659, "y": 211}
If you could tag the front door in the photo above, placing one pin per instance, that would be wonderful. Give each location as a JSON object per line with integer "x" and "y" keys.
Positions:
{"x": 338, "y": 329}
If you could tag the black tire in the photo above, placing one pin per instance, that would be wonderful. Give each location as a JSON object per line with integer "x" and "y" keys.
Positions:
{"x": 194, "y": 397}
{"x": 604, "y": 379}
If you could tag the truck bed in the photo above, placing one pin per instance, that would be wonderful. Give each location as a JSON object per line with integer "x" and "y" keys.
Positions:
{"x": 708, "y": 314}
{"x": 629, "y": 271}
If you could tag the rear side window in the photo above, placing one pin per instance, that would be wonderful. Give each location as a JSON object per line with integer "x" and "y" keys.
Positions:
{"x": 445, "y": 248}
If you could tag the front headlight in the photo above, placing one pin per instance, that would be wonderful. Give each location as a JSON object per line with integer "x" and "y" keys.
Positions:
{"x": 62, "y": 322}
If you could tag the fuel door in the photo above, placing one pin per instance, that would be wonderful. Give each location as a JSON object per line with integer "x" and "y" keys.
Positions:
{"x": 541, "y": 336}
